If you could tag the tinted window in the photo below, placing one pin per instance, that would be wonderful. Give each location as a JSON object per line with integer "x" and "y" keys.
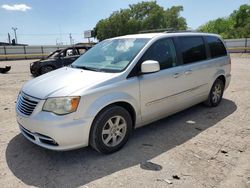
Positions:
{"x": 216, "y": 47}
{"x": 192, "y": 49}
{"x": 162, "y": 51}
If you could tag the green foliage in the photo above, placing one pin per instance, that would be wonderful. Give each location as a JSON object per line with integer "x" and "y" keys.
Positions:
{"x": 139, "y": 17}
{"x": 237, "y": 25}
{"x": 172, "y": 18}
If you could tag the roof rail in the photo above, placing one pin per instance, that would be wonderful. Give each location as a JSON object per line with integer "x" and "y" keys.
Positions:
{"x": 182, "y": 31}
{"x": 168, "y": 30}
{"x": 155, "y": 30}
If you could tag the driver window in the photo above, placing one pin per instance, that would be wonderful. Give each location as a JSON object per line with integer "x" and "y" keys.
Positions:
{"x": 162, "y": 51}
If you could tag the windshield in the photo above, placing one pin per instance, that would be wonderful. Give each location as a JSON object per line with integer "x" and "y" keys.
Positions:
{"x": 54, "y": 54}
{"x": 112, "y": 55}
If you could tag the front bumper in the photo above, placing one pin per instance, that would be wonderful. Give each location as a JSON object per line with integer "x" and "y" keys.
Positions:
{"x": 34, "y": 68}
{"x": 55, "y": 132}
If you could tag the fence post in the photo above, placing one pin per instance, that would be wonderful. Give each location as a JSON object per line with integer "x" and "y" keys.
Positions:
{"x": 24, "y": 49}
{"x": 4, "y": 48}
{"x": 42, "y": 51}
{"x": 246, "y": 45}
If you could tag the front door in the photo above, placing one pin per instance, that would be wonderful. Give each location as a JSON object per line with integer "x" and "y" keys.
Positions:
{"x": 166, "y": 91}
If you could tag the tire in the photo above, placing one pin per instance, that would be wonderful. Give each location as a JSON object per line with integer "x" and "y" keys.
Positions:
{"x": 111, "y": 129}
{"x": 46, "y": 69}
{"x": 216, "y": 93}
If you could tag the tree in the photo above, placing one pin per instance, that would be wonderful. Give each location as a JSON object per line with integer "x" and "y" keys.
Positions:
{"x": 222, "y": 26}
{"x": 241, "y": 19}
{"x": 237, "y": 25}
{"x": 174, "y": 20}
{"x": 139, "y": 17}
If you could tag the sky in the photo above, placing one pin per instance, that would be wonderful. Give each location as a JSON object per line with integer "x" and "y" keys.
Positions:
{"x": 41, "y": 22}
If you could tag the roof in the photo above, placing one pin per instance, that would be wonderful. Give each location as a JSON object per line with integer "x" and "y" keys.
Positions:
{"x": 171, "y": 34}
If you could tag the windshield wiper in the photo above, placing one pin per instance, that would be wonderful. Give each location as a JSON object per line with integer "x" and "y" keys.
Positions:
{"x": 87, "y": 68}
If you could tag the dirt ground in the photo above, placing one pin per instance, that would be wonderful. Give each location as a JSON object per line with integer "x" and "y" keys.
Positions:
{"x": 199, "y": 147}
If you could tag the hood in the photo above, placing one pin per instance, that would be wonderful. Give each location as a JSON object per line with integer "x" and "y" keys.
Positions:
{"x": 41, "y": 61}
{"x": 47, "y": 60}
{"x": 63, "y": 82}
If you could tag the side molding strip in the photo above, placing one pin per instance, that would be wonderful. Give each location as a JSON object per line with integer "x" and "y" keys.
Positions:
{"x": 174, "y": 95}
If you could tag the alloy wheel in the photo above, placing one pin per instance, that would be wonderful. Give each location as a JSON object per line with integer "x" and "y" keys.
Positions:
{"x": 216, "y": 93}
{"x": 114, "y": 131}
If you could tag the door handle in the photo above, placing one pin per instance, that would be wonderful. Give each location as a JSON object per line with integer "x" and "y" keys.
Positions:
{"x": 176, "y": 75}
{"x": 188, "y": 72}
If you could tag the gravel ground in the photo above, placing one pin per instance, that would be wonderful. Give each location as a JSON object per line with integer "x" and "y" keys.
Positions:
{"x": 199, "y": 147}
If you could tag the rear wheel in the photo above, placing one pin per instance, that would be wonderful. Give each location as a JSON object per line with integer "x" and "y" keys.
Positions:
{"x": 46, "y": 69}
{"x": 111, "y": 129}
{"x": 216, "y": 93}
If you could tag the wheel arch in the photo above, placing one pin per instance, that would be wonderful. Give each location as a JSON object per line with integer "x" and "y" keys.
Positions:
{"x": 219, "y": 75}
{"x": 127, "y": 106}
{"x": 119, "y": 99}
{"x": 222, "y": 78}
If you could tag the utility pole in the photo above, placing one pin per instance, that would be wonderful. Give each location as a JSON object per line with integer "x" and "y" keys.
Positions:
{"x": 9, "y": 38}
{"x": 70, "y": 39}
{"x": 14, "y": 29}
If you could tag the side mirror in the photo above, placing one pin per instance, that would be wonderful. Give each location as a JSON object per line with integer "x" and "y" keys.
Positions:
{"x": 150, "y": 66}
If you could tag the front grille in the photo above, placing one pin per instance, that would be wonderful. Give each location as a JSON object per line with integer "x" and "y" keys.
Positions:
{"x": 26, "y": 104}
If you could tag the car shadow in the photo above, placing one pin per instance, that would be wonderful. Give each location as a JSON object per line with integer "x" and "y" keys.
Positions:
{"x": 44, "y": 168}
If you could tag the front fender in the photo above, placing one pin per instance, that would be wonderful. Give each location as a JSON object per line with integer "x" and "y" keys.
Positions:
{"x": 54, "y": 63}
{"x": 109, "y": 99}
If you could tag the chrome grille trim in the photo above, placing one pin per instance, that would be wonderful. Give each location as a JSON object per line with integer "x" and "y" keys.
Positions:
{"x": 26, "y": 104}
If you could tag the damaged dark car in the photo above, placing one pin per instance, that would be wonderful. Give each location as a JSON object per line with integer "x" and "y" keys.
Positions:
{"x": 57, "y": 59}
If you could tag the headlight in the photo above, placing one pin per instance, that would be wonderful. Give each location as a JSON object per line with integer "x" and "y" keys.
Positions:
{"x": 61, "y": 105}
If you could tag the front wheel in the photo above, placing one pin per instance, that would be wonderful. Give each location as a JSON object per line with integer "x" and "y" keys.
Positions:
{"x": 46, "y": 69}
{"x": 216, "y": 93}
{"x": 111, "y": 130}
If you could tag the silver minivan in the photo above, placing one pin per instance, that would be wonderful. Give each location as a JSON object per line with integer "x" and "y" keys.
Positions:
{"x": 121, "y": 84}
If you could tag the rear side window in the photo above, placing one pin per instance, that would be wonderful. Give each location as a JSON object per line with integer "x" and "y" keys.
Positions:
{"x": 216, "y": 47}
{"x": 192, "y": 49}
